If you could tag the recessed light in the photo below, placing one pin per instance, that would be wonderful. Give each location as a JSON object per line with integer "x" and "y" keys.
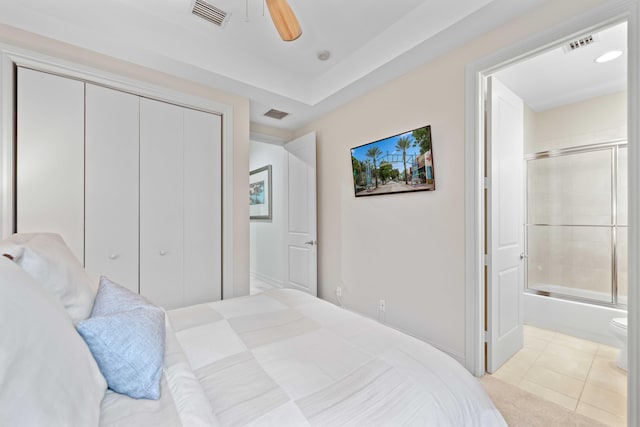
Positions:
{"x": 323, "y": 55}
{"x": 609, "y": 56}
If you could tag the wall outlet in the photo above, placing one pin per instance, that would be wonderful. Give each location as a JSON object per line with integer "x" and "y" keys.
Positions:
{"x": 383, "y": 306}
{"x": 339, "y": 291}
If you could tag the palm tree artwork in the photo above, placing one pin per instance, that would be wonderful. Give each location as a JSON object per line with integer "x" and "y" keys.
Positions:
{"x": 403, "y": 144}
{"x": 374, "y": 153}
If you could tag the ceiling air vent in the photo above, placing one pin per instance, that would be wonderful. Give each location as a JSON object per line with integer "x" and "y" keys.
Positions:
{"x": 580, "y": 43}
{"x": 276, "y": 114}
{"x": 211, "y": 13}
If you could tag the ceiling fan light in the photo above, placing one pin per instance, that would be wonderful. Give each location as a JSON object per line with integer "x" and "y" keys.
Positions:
{"x": 284, "y": 20}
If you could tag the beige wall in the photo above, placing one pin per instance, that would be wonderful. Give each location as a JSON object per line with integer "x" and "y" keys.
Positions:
{"x": 18, "y": 38}
{"x": 266, "y": 133}
{"x": 408, "y": 248}
{"x": 599, "y": 119}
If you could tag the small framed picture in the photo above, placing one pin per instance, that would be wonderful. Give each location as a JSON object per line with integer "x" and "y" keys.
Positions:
{"x": 260, "y": 193}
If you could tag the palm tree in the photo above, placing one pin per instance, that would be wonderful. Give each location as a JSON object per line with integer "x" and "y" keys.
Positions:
{"x": 403, "y": 144}
{"x": 374, "y": 153}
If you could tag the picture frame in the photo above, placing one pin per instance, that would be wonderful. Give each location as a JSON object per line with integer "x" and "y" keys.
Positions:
{"x": 400, "y": 163}
{"x": 260, "y": 194}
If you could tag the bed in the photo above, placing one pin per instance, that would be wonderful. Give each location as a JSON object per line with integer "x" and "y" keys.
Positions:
{"x": 280, "y": 358}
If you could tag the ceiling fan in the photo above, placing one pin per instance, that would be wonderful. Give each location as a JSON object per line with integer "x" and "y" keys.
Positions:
{"x": 284, "y": 20}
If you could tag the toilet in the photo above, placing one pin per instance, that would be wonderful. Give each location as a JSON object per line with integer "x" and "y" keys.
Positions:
{"x": 618, "y": 328}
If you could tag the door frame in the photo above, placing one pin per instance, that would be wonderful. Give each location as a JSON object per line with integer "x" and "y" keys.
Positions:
{"x": 12, "y": 57}
{"x": 476, "y": 73}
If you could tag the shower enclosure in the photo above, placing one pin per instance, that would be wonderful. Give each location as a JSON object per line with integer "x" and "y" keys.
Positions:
{"x": 576, "y": 224}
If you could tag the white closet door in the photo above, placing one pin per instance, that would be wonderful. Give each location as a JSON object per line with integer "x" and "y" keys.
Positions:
{"x": 50, "y": 157}
{"x": 202, "y": 207}
{"x": 161, "y": 203}
{"x": 111, "y": 196}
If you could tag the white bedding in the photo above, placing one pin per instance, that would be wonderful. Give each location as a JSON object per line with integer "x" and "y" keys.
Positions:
{"x": 285, "y": 358}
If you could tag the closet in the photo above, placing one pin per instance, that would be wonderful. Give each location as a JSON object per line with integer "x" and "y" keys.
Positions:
{"x": 132, "y": 184}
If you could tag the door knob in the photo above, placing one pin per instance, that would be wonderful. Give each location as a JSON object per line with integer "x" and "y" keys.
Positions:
{"x": 163, "y": 253}
{"x": 311, "y": 242}
{"x": 113, "y": 256}
{"x": 523, "y": 256}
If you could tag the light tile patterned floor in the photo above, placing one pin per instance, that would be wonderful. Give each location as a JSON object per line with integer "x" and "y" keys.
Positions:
{"x": 257, "y": 286}
{"x": 578, "y": 374}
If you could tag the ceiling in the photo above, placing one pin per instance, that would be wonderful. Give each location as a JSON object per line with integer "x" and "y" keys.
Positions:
{"x": 370, "y": 41}
{"x": 555, "y": 77}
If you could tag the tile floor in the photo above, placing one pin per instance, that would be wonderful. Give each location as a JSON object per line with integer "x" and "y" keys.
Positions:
{"x": 578, "y": 374}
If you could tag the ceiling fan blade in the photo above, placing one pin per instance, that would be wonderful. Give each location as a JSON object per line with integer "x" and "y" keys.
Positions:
{"x": 284, "y": 20}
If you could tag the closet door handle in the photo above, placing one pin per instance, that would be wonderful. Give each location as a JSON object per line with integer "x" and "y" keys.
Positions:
{"x": 163, "y": 253}
{"x": 114, "y": 256}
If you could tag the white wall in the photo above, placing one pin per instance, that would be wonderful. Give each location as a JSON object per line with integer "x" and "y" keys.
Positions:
{"x": 267, "y": 237}
{"x": 408, "y": 248}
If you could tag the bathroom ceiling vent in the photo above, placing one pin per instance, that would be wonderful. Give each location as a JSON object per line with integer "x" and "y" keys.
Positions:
{"x": 580, "y": 43}
{"x": 276, "y": 114}
{"x": 211, "y": 13}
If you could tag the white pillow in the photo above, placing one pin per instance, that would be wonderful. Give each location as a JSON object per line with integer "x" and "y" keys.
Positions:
{"x": 46, "y": 257}
{"x": 48, "y": 376}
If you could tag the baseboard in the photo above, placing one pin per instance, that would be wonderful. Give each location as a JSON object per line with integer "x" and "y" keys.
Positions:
{"x": 271, "y": 281}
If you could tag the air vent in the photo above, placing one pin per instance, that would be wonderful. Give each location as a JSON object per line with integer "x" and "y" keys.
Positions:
{"x": 276, "y": 114}
{"x": 211, "y": 13}
{"x": 580, "y": 43}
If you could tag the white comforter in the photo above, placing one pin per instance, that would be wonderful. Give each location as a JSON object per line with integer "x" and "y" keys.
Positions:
{"x": 285, "y": 358}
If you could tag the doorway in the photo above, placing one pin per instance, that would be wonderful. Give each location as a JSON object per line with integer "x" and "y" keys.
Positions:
{"x": 557, "y": 164}
{"x": 477, "y": 74}
{"x": 266, "y": 235}
{"x": 556, "y": 223}
{"x": 283, "y": 239}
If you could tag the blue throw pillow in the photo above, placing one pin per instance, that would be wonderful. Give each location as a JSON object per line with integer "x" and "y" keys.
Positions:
{"x": 126, "y": 335}
{"x": 113, "y": 298}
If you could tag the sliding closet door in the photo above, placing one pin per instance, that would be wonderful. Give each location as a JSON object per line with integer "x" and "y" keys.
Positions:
{"x": 111, "y": 196}
{"x": 161, "y": 203}
{"x": 50, "y": 156}
{"x": 202, "y": 207}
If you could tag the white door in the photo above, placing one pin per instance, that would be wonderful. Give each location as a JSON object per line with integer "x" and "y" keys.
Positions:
{"x": 202, "y": 207}
{"x": 111, "y": 184}
{"x": 161, "y": 203}
{"x": 50, "y": 157}
{"x": 301, "y": 260}
{"x": 505, "y": 223}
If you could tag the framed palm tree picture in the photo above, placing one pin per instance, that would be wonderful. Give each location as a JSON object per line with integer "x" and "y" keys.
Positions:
{"x": 396, "y": 164}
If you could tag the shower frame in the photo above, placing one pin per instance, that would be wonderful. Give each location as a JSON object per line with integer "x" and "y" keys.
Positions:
{"x": 613, "y": 146}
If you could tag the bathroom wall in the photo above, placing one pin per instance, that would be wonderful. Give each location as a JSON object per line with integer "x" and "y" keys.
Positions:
{"x": 599, "y": 119}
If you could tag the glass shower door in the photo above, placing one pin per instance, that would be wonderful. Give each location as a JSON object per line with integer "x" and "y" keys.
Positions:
{"x": 571, "y": 224}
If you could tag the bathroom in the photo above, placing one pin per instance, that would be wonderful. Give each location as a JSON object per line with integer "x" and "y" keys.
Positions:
{"x": 574, "y": 305}
{"x": 575, "y": 155}
{"x": 575, "y": 220}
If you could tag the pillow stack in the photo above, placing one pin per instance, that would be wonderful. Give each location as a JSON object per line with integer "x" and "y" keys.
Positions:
{"x": 49, "y": 376}
{"x": 48, "y": 259}
{"x": 126, "y": 336}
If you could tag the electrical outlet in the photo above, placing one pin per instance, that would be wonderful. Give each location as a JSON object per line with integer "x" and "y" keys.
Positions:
{"x": 383, "y": 306}
{"x": 339, "y": 291}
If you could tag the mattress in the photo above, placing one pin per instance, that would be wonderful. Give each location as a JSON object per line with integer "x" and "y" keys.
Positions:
{"x": 286, "y": 358}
